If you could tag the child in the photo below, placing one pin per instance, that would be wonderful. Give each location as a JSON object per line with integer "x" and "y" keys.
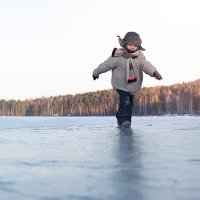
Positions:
{"x": 127, "y": 64}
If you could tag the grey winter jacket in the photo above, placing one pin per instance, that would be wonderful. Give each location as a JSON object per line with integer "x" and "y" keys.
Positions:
{"x": 117, "y": 63}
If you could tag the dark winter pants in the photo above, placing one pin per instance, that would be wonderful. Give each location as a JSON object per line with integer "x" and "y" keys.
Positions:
{"x": 124, "y": 112}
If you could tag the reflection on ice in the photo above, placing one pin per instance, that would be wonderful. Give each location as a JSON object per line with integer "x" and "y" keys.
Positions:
{"x": 90, "y": 158}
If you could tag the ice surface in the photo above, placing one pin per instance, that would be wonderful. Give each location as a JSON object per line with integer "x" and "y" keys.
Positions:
{"x": 89, "y": 158}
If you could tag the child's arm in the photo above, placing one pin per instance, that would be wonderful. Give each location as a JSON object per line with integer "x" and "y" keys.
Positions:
{"x": 107, "y": 65}
{"x": 148, "y": 68}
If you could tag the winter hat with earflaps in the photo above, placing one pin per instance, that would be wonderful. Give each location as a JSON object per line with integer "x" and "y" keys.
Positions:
{"x": 131, "y": 38}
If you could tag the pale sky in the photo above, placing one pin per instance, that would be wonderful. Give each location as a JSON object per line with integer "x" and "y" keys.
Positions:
{"x": 51, "y": 47}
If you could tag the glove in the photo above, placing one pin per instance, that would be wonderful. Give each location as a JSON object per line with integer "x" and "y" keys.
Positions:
{"x": 95, "y": 77}
{"x": 157, "y": 75}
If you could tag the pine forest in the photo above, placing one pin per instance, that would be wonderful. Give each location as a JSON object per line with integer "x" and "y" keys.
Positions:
{"x": 177, "y": 99}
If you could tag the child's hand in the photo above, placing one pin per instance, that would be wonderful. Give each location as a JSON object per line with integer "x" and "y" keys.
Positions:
{"x": 157, "y": 75}
{"x": 95, "y": 77}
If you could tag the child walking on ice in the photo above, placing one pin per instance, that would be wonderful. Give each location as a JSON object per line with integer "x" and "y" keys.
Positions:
{"x": 127, "y": 64}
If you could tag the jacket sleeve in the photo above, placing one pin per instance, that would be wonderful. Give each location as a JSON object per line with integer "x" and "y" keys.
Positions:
{"x": 146, "y": 66}
{"x": 107, "y": 65}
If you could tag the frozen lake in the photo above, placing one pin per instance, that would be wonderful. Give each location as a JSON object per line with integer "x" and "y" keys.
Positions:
{"x": 89, "y": 158}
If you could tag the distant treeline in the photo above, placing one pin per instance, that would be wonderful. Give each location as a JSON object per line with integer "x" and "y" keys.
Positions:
{"x": 175, "y": 99}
